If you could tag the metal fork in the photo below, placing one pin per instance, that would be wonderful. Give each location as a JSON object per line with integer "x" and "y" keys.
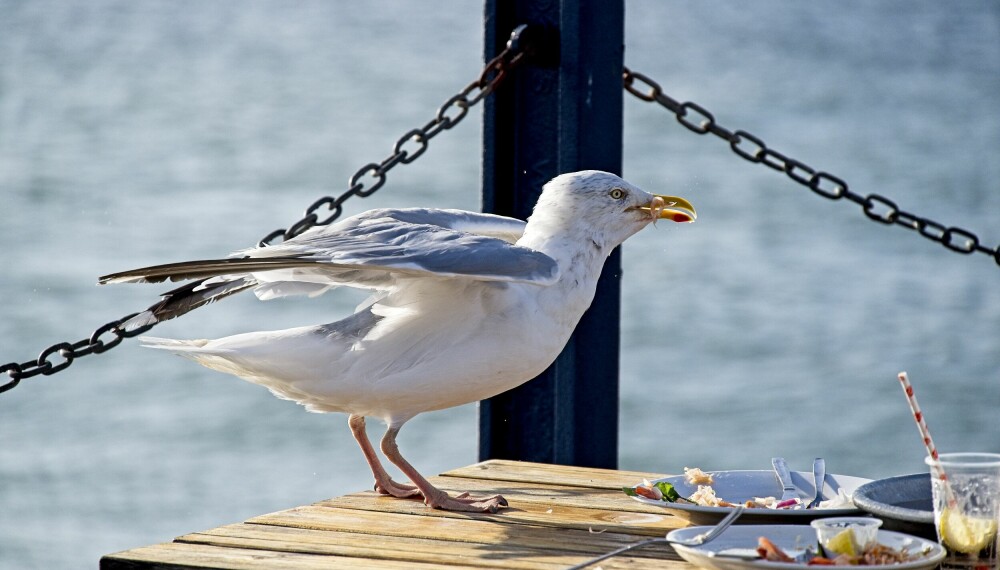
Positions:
{"x": 702, "y": 538}
{"x": 819, "y": 475}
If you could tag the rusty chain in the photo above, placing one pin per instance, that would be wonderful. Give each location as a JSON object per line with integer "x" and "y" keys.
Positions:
{"x": 363, "y": 183}
{"x": 877, "y": 207}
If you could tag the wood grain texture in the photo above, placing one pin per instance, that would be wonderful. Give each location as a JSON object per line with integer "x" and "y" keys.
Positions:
{"x": 563, "y": 475}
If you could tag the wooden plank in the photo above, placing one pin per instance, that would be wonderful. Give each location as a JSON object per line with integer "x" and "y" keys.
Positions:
{"x": 401, "y": 549}
{"x": 565, "y": 475}
{"x": 404, "y": 549}
{"x": 522, "y": 494}
{"x": 248, "y": 547}
{"x": 543, "y": 513}
{"x": 176, "y": 556}
{"x": 477, "y": 529}
{"x": 612, "y": 499}
{"x": 445, "y": 554}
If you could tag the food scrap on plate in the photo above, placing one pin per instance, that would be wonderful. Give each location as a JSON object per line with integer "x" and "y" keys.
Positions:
{"x": 705, "y": 495}
{"x": 875, "y": 555}
{"x": 695, "y": 476}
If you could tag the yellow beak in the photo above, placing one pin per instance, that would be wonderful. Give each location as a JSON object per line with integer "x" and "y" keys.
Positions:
{"x": 672, "y": 208}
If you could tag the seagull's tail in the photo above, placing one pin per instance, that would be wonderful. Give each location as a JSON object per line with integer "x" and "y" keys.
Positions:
{"x": 173, "y": 345}
{"x": 199, "y": 351}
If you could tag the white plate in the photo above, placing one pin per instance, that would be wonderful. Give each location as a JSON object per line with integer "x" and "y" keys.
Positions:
{"x": 788, "y": 537}
{"x": 741, "y": 486}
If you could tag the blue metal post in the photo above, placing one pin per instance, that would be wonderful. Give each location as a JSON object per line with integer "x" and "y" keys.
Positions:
{"x": 559, "y": 113}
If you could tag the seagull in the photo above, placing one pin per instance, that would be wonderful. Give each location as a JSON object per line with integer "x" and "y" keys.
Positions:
{"x": 455, "y": 294}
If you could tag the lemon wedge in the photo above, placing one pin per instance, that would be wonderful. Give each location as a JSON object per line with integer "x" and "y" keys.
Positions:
{"x": 844, "y": 542}
{"x": 966, "y": 534}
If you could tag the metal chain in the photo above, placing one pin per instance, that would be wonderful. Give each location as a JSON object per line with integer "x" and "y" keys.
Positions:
{"x": 371, "y": 176}
{"x": 877, "y": 207}
{"x": 94, "y": 344}
{"x": 363, "y": 183}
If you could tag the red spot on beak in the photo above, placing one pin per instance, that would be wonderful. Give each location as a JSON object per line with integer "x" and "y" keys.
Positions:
{"x": 679, "y": 217}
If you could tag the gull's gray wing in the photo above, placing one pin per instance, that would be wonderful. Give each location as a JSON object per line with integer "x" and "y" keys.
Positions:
{"x": 373, "y": 250}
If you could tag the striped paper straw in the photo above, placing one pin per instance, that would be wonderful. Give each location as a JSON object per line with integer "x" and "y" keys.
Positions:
{"x": 926, "y": 434}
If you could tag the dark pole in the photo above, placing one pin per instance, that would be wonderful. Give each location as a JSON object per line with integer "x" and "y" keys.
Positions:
{"x": 560, "y": 112}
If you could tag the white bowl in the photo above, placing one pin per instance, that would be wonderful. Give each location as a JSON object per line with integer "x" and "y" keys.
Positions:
{"x": 865, "y": 530}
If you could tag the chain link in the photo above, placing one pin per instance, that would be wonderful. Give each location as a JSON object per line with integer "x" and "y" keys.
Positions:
{"x": 94, "y": 344}
{"x": 878, "y": 208}
{"x": 366, "y": 181}
{"x": 372, "y": 176}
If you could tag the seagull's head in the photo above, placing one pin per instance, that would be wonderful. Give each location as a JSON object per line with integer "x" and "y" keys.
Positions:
{"x": 605, "y": 206}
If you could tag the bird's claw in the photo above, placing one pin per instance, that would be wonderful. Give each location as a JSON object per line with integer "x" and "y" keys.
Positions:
{"x": 397, "y": 490}
{"x": 466, "y": 502}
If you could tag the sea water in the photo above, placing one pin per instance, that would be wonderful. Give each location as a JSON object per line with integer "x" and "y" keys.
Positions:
{"x": 136, "y": 133}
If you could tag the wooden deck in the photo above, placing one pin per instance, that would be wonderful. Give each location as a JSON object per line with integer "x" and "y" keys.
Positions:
{"x": 558, "y": 516}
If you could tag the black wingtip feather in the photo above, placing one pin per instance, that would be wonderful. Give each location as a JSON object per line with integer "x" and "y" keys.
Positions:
{"x": 188, "y": 297}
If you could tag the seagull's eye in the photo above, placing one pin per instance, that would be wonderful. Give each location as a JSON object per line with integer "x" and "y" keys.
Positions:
{"x": 617, "y": 193}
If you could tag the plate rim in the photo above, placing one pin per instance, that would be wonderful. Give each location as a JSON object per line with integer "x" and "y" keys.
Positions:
{"x": 918, "y": 516}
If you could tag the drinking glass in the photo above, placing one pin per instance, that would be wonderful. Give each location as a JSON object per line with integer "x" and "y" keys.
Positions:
{"x": 966, "y": 508}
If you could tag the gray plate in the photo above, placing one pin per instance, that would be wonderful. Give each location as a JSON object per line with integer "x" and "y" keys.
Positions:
{"x": 740, "y": 486}
{"x": 789, "y": 537}
{"x": 903, "y": 503}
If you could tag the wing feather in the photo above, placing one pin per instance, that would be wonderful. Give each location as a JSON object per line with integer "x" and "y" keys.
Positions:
{"x": 373, "y": 250}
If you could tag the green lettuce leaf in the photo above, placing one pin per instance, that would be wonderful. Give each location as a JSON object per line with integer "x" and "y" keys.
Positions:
{"x": 670, "y": 494}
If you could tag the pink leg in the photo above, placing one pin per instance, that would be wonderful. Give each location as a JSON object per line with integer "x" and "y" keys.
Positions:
{"x": 432, "y": 495}
{"x": 384, "y": 485}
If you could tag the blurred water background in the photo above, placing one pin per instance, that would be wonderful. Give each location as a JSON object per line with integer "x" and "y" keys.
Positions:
{"x": 135, "y": 133}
